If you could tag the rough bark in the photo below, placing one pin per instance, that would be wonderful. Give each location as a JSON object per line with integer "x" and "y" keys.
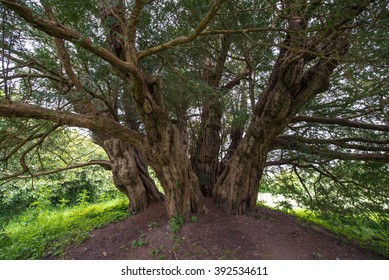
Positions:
{"x": 166, "y": 144}
{"x": 130, "y": 175}
{"x": 237, "y": 187}
{"x": 205, "y": 159}
{"x": 291, "y": 85}
{"x": 165, "y": 149}
{"x": 172, "y": 166}
{"x": 129, "y": 169}
{"x": 289, "y": 88}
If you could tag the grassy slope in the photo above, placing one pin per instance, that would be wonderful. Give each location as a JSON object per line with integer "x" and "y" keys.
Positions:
{"x": 35, "y": 235}
{"x": 367, "y": 233}
{"x": 48, "y": 232}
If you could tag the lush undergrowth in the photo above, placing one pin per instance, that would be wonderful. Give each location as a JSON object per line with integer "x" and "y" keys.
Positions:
{"x": 367, "y": 232}
{"x": 36, "y": 235}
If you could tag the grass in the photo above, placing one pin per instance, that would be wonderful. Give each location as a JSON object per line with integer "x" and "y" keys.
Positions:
{"x": 368, "y": 233}
{"x": 36, "y": 235}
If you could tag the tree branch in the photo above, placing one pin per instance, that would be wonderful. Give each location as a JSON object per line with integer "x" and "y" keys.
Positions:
{"x": 339, "y": 142}
{"x": 92, "y": 122}
{"x": 342, "y": 122}
{"x": 327, "y": 153}
{"x": 133, "y": 25}
{"x": 103, "y": 163}
{"x": 280, "y": 162}
{"x": 61, "y": 31}
{"x": 185, "y": 39}
{"x": 22, "y": 159}
{"x": 236, "y": 81}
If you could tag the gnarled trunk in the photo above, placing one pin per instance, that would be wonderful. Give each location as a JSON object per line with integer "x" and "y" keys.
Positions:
{"x": 289, "y": 89}
{"x": 205, "y": 157}
{"x": 172, "y": 166}
{"x": 130, "y": 174}
{"x": 165, "y": 149}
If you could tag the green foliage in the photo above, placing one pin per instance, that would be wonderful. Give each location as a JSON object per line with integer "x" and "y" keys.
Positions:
{"x": 176, "y": 224}
{"x": 194, "y": 219}
{"x": 63, "y": 147}
{"x": 153, "y": 224}
{"x": 83, "y": 197}
{"x": 49, "y": 232}
{"x": 142, "y": 241}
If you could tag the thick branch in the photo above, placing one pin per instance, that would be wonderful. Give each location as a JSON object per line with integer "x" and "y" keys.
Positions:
{"x": 61, "y": 31}
{"x": 279, "y": 162}
{"x": 244, "y": 31}
{"x": 331, "y": 154}
{"x": 92, "y": 122}
{"x": 340, "y": 143}
{"x": 184, "y": 39}
{"x": 236, "y": 81}
{"x": 30, "y": 75}
{"x": 342, "y": 122}
{"x": 133, "y": 24}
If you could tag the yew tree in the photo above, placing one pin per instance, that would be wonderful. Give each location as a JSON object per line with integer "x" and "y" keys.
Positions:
{"x": 209, "y": 94}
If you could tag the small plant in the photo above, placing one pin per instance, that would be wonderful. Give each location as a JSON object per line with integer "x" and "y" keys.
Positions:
{"x": 63, "y": 202}
{"x": 153, "y": 224}
{"x": 83, "y": 197}
{"x": 194, "y": 219}
{"x": 139, "y": 242}
{"x": 269, "y": 256}
{"x": 176, "y": 224}
{"x": 226, "y": 255}
{"x": 156, "y": 251}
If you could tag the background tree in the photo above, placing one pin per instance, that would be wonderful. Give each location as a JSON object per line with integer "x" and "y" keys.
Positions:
{"x": 209, "y": 95}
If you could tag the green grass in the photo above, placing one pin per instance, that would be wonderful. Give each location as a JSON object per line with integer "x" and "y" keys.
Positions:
{"x": 367, "y": 232}
{"x": 36, "y": 235}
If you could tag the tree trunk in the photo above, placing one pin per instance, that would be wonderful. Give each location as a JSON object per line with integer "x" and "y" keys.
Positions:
{"x": 172, "y": 166}
{"x": 288, "y": 90}
{"x": 165, "y": 149}
{"x": 236, "y": 135}
{"x": 237, "y": 187}
{"x": 205, "y": 159}
{"x": 130, "y": 175}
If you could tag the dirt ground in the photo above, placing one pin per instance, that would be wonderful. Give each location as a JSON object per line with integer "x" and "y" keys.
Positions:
{"x": 268, "y": 235}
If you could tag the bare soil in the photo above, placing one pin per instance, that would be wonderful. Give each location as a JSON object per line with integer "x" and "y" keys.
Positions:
{"x": 267, "y": 235}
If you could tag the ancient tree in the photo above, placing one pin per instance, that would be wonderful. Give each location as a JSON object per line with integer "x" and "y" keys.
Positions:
{"x": 207, "y": 94}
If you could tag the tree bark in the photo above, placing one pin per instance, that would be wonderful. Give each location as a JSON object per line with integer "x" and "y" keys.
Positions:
{"x": 172, "y": 166}
{"x": 165, "y": 149}
{"x": 130, "y": 174}
{"x": 289, "y": 88}
{"x": 205, "y": 158}
{"x": 291, "y": 85}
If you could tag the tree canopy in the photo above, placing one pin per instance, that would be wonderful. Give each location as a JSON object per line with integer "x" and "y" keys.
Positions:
{"x": 217, "y": 97}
